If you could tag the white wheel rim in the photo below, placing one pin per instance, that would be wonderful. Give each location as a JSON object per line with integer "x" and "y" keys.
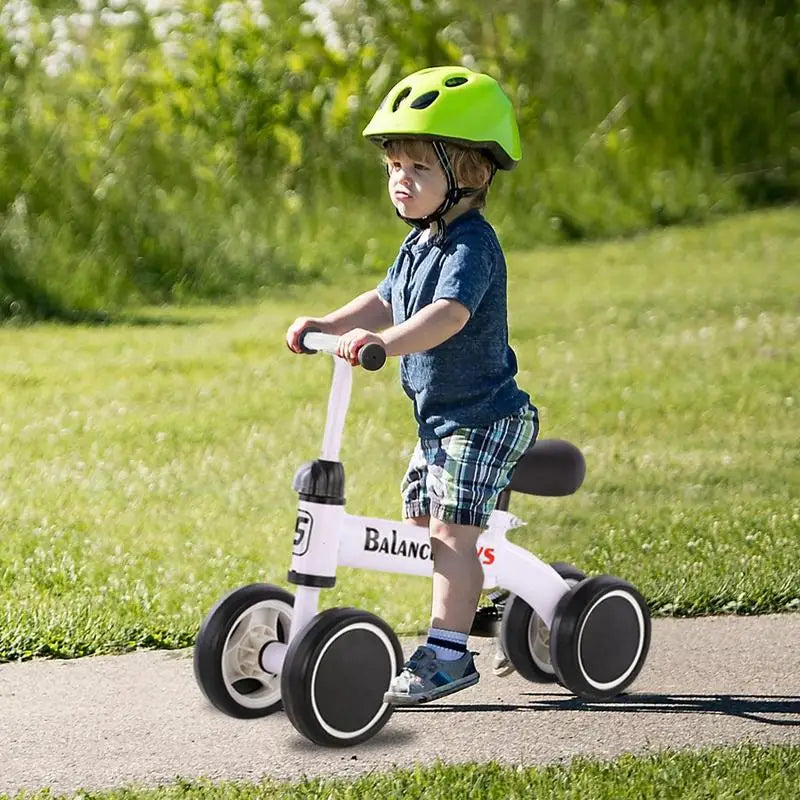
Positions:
{"x": 539, "y": 638}
{"x": 253, "y": 628}
{"x": 539, "y": 644}
{"x": 640, "y": 619}
{"x": 356, "y": 626}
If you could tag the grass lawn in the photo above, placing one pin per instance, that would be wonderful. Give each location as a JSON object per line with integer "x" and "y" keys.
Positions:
{"x": 746, "y": 772}
{"x": 146, "y": 467}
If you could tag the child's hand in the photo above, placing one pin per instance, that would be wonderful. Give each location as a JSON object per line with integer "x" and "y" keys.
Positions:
{"x": 297, "y": 327}
{"x": 352, "y": 341}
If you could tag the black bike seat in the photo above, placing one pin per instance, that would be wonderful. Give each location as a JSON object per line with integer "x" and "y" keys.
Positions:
{"x": 549, "y": 468}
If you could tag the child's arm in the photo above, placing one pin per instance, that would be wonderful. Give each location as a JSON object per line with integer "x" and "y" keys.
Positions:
{"x": 428, "y": 328}
{"x": 368, "y": 310}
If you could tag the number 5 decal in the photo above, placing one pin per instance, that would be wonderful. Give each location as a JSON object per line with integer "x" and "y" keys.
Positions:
{"x": 302, "y": 532}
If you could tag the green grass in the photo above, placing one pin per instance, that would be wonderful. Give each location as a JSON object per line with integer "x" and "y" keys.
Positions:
{"x": 742, "y": 772}
{"x": 146, "y": 468}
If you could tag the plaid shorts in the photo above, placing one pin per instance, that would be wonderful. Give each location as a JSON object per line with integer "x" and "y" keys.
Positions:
{"x": 458, "y": 478}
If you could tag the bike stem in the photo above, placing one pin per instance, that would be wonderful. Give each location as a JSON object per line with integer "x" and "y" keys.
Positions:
{"x": 338, "y": 403}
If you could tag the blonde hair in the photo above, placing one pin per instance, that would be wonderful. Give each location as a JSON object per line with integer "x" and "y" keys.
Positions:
{"x": 470, "y": 166}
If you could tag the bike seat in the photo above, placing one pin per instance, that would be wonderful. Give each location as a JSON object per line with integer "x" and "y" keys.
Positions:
{"x": 549, "y": 468}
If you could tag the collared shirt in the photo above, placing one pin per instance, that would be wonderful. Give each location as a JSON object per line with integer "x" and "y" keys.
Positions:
{"x": 467, "y": 381}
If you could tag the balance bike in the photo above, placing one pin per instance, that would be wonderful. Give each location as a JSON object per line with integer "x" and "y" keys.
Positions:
{"x": 260, "y": 647}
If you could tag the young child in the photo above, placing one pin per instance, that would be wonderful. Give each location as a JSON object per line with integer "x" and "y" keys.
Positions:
{"x": 442, "y": 308}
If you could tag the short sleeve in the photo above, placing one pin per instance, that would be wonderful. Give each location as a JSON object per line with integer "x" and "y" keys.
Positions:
{"x": 384, "y": 288}
{"x": 467, "y": 272}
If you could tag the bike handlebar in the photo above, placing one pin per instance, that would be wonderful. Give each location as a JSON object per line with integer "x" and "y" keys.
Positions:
{"x": 371, "y": 356}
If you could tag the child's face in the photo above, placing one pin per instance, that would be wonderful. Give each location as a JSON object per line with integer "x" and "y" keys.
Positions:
{"x": 416, "y": 185}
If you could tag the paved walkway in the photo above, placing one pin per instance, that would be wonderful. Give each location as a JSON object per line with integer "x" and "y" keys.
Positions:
{"x": 140, "y": 719}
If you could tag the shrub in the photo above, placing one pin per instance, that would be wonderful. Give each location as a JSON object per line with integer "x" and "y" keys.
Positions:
{"x": 157, "y": 152}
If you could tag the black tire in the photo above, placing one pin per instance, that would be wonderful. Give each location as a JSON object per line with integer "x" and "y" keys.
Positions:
{"x": 600, "y": 637}
{"x": 524, "y": 637}
{"x": 226, "y": 654}
{"x": 335, "y": 674}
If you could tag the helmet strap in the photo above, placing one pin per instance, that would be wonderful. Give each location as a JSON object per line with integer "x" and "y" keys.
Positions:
{"x": 453, "y": 195}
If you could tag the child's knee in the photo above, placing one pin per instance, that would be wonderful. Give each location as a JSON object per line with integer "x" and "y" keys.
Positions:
{"x": 451, "y": 532}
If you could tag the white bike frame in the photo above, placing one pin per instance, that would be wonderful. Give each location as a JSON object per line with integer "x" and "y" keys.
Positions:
{"x": 327, "y": 537}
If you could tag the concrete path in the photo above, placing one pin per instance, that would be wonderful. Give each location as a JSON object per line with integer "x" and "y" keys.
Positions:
{"x": 140, "y": 719}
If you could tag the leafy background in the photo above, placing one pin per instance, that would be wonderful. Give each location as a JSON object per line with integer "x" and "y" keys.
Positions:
{"x": 155, "y": 152}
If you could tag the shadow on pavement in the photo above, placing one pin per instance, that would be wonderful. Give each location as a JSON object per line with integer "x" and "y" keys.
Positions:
{"x": 386, "y": 738}
{"x": 752, "y": 707}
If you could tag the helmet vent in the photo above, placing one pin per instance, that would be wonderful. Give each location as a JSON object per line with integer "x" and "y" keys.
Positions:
{"x": 400, "y": 97}
{"x": 424, "y": 100}
{"x": 456, "y": 80}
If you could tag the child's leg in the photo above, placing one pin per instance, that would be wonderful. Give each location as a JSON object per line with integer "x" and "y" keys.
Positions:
{"x": 443, "y": 665}
{"x": 455, "y": 480}
{"x": 457, "y": 575}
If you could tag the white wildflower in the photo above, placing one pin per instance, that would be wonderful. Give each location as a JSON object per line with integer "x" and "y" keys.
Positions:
{"x": 121, "y": 20}
{"x": 173, "y": 49}
{"x": 55, "y": 64}
{"x": 60, "y": 27}
{"x": 81, "y": 24}
{"x": 227, "y": 17}
{"x": 21, "y": 14}
{"x": 21, "y": 55}
{"x": 160, "y": 28}
{"x": 154, "y": 7}
{"x": 324, "y": 22}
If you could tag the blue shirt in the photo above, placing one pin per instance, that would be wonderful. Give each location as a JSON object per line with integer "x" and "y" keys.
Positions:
{"x": 467, "y": 381}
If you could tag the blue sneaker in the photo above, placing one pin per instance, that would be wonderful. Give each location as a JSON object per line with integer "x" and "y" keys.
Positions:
{"x": 425, "y": 677}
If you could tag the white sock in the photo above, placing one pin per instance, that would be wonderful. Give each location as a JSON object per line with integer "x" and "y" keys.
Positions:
{"x": 448, "y": 645}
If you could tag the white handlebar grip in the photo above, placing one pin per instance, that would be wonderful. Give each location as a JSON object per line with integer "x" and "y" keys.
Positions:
{"x": 372, "y": 356}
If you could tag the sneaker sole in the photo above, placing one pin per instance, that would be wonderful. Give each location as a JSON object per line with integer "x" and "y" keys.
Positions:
{"x": 433, "y": 694}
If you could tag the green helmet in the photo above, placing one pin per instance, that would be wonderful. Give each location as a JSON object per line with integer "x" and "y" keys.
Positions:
{"x": 452, "y": 104}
